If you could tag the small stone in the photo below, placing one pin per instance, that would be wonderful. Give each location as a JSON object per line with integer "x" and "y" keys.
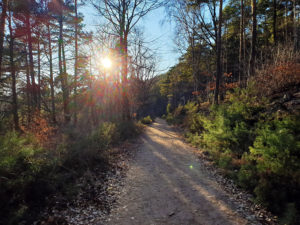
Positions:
{"x": 171, "y": 214}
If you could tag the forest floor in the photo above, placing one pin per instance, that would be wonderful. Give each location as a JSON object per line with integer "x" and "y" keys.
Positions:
{"x": 160, "y": 180}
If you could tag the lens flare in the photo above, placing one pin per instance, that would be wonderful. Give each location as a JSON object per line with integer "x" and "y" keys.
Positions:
{"x": 106, "y": 62}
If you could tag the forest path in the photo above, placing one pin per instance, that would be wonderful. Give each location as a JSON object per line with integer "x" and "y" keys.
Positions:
{"x": 166, "y": 185}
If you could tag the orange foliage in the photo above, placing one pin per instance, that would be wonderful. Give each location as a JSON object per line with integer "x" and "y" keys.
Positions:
{"x": 229, "y": 86}
{"x": 212, "y": 86}
{"x": 39, "y": 127}
{"x": 196, "y": 93}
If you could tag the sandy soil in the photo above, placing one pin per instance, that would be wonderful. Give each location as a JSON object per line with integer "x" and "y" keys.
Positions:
{"x": 166, "y": 184}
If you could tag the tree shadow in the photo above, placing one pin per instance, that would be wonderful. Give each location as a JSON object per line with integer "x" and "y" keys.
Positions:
{"x": 177, "y": 174}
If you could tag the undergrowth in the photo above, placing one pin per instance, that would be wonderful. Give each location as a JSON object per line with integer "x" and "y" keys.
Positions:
{"x": 146, "y": 120}
{"x": 31, "y": 171}
{"x": 259, "y": 150}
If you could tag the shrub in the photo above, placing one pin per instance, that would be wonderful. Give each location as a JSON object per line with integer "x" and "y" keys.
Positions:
{"x": 29, "y": 172}
{"x": 170, "y": 118}
{"x": 281, "y": 72}
{"x": 128, "y": 130}
{"x": 169, "y": 108}
{"x": 260, "y": 150}
{"x": 146, "y": 120}
{"x": 177, "y": 116}
{"x": 21, "y": 160}
{"x": 193, "y": 120}
{"x": 276, "y": 148}
{"x": 104, "y": 136}
{"x": 276, "y": 151}
{"x": 230, "y": 126}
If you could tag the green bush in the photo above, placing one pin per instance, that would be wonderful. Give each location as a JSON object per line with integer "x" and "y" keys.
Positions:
{"x": 170, "y": 118}
{"x": 104, "y": 136}
{"x": 276, "y": 148}
{"x": 276, "y": 152}
{"x": 259, "y": 150}
{"x": 29, "y": 172}
{"x": 230, "y": 126}
{"x": 21, "y": 160}
{"x": 227, "y": 132}
{"x": 193, "y": 119}
{"x": 177, "y": 116}
{"x": 146, "y": 120}
{"x": 169, "y": 108}
{"x": 128, "y": 130}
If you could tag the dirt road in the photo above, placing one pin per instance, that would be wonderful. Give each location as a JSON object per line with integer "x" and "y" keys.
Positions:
{"x": 166, "y": 185}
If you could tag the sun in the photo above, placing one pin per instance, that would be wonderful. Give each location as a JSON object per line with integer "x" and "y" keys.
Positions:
{"x": 106, "y": 62}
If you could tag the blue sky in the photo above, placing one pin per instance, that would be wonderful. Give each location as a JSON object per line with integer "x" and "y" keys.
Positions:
{"x": 159, "y": 35}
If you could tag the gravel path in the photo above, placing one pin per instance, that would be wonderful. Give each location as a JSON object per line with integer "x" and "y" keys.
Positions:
{"x": 166, "y": 184}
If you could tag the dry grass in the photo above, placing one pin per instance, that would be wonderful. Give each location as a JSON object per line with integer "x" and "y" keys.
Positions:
{"x": 281, "y": 72}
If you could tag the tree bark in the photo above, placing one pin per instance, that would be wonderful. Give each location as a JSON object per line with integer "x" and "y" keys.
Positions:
{"x": 76, "y": 64}
{"x": 51, "y": 76}
{"x": 66, "y": 94}
{"x": 295, "y": 35}
{"x": 126, "y": 107}
{"x": 241, "y": 58}
{"x": 219, "y": 53}
{"x": 63, "y": 72}
{"x": 2, "y": 31}
{"x": 286, "y": 21}
{"x": 275, "y": 21}
{"x": 124, "y": 55}
{"x": 28, "y": 87}
{"x": 13, "y": 76}
{"x": 31, "y": 63}
{"x": 253, "y": 42}
{"x": 39, "y": 74}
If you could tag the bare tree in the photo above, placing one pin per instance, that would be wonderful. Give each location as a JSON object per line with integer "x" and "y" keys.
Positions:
{"x": 200, "y": 19}
{"x": 187, "y": 19}
{"x": 124, "y": 15}
{"x": 143, "y": 69}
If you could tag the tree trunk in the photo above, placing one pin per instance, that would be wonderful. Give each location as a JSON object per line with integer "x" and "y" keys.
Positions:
{"x": 275, "y": 21}
{"x": 253, "y": 42}
{"x": 28, "y": 87}
{"x": 31, "y": 63}
{"x": 63, "y": 72}
{"x": 13, "y": 77}
{"x": 126, "y": 106}
{"x": 51, "y": 76}
{"x": 76, "y": 64}
{"x": 124, "y": 52}
{"x": 295, "y": 35}
{"x": 39, "y": 74}
{"x": 66, "y": 94}
{"x": 219, "y": 53}
{"x": 241, "y": 58}
{"x": 286, "y": 21}
{"x": 2, "y": 31}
